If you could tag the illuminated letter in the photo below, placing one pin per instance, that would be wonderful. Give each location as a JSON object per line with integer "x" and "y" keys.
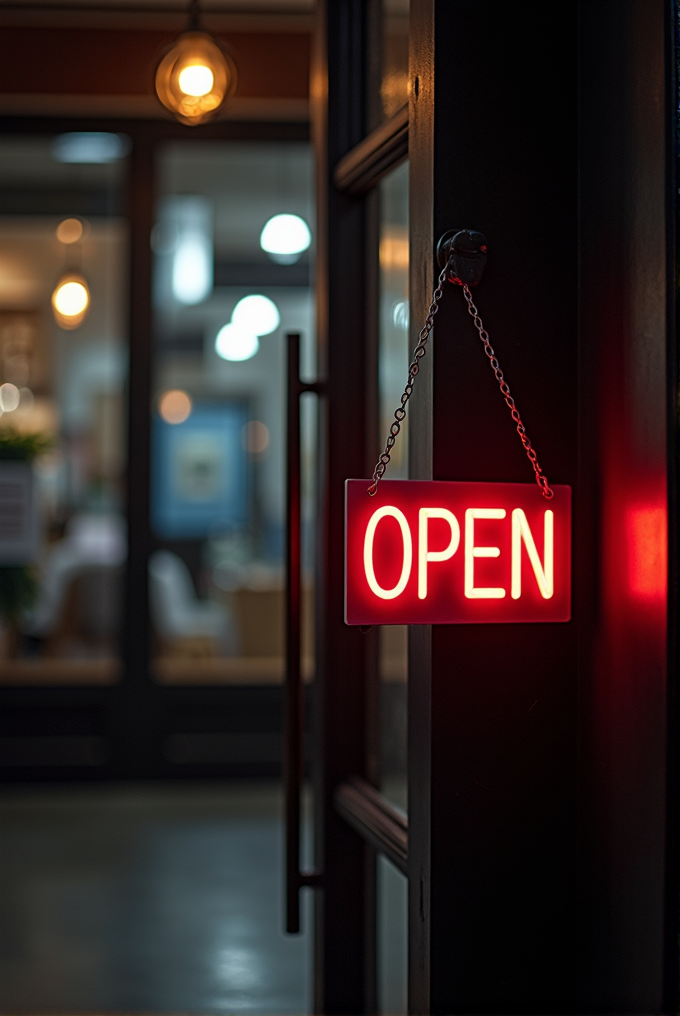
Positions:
{"x": 381, "y": 513}
{"x": 544, "y": 574}
{"x": 471, "y": 552}
{"x": 425, "y": 555}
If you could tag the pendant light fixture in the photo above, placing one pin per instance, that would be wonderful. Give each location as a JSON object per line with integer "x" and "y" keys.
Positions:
{"x": 286, "y": 236}
{"x": 196, "y": 75}
{"x": 71, "y": 300}
{"x": 71, "y": 296}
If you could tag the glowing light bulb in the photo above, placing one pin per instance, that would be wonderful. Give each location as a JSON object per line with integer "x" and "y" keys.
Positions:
{"x": 175, "y": 406}
{"x": 285, "y": 237}
{"x": 256, "y": 314}
{"x": 196, "y": 80}
{"x": 71, "y": 301}
{"x": 234, "y": 342}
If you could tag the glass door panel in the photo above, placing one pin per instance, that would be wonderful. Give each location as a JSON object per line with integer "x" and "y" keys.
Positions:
{"x": 394, "y": 356}
{"x": 63, "y": 373}
{"x": 392, "y": 958}
{"x": 232, "y": 277}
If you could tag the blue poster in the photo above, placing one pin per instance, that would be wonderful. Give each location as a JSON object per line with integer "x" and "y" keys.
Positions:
{"x": 200, "y": 472}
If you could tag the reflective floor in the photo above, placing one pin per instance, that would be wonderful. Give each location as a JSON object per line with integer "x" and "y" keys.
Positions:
{"x": 134, "y": 900}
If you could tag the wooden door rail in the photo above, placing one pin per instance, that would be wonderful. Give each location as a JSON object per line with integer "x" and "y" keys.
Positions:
{"x": 379, "y": 152}
{"x": 373, "y": 817}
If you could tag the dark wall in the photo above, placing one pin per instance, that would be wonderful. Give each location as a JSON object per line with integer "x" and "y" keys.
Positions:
{"x": 547, "y": 886}
{"x": 628, "y": 373}
{"x": 504, "y": 696}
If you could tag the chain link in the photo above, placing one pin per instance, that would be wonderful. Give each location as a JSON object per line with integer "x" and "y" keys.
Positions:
{"x": 400, "y": 412}
{"x": 541, "y": 478}
{"x": 419, "y": 353}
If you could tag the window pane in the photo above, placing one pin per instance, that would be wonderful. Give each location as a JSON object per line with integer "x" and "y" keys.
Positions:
{"x": 394, "y": 357}
{"x": 392, "y": 957}
{"x": 63, "y": 367}
{"x": 223, "y": 305}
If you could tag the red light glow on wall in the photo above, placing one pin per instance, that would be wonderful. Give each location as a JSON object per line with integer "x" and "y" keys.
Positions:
{"x": 647, "y": 548}
{"x": 434, "y": 552}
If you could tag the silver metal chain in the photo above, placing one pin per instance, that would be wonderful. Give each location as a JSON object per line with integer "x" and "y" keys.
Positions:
{"x": 419, "y": 353}
{"x": 400, "y": 412}
{"x": 541, "y": 478}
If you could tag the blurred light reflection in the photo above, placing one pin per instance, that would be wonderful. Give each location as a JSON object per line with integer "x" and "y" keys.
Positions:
{"x": 285, "y": 238}
{"x": 174, "y": 406}
{"x": 256, "y": 314}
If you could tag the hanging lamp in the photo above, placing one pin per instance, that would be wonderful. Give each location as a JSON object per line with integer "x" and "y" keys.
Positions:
{"x": 196, "y": 75}
{"x": 71, "y": 300}
{"x": 71, "y": 295}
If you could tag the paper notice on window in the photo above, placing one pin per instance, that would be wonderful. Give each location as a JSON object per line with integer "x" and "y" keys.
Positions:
{"x": 18, "y": 514}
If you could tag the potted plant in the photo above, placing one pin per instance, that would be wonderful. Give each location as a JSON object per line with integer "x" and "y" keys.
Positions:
{"x": 18, "y": 528}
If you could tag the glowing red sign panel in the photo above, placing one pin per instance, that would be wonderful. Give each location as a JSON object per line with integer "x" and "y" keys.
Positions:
{"x": 456, "y": 553}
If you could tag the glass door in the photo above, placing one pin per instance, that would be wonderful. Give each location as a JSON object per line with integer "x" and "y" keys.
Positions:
{"x": 141, "y": 443}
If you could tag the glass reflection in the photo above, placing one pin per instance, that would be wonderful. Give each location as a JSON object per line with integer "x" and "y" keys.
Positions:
{"x": 392, "y": 952}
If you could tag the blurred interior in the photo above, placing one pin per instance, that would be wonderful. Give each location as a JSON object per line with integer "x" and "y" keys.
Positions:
{"x": 217, "y": 483}
{"x": 69, "y": 386}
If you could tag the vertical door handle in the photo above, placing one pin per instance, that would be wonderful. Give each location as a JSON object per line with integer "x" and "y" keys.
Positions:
{"x": 293, "y": 751}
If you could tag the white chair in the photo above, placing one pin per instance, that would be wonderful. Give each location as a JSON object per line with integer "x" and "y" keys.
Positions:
{"x": 176, "y": 611}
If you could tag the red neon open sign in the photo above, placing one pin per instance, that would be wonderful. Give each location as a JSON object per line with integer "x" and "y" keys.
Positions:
{"x": 434, "y": 552}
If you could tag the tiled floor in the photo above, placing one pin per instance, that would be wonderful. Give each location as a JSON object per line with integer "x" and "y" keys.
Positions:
{"x": 146, "y": 899}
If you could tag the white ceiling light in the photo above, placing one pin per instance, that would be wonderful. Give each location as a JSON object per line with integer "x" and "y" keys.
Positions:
{"x": 192, "y": 269}
{"x": 234, "y": 342}
{"x": 90, "y": 147}
{"x": 190, "y": 220}
{"x": 285, "y": 237}
{"x": 257, "y": 314}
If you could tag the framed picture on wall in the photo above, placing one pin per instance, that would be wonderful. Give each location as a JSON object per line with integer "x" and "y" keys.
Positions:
{"x": 200, "y": 472}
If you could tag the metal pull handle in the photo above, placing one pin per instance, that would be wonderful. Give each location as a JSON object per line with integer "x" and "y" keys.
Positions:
{"x": 293, "y": 760}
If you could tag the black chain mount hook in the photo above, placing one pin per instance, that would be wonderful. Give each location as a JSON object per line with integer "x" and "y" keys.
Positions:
{"x": 462, "y": 254}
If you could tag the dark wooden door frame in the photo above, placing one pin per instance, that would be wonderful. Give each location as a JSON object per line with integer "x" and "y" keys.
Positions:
{"x": 344, "y": 930}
